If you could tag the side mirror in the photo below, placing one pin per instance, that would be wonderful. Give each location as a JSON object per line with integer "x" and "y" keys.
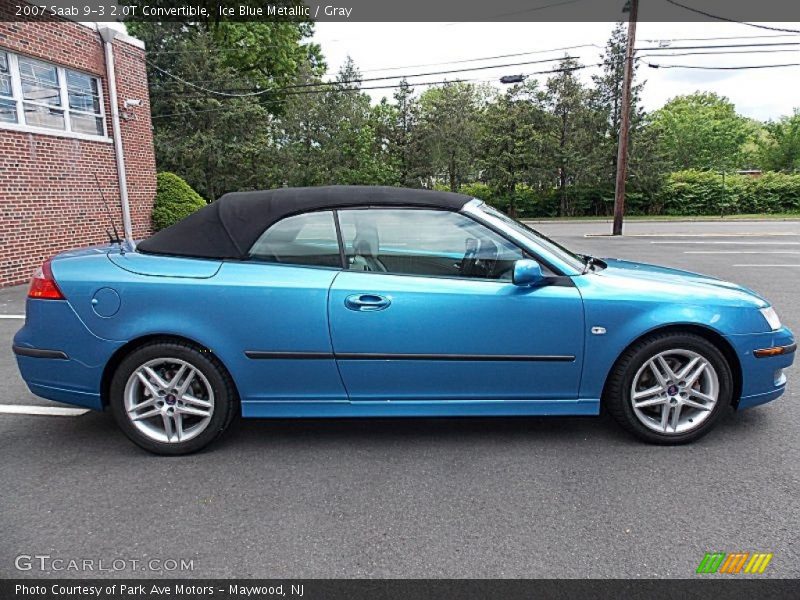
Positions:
{"x": 526, "y": 272}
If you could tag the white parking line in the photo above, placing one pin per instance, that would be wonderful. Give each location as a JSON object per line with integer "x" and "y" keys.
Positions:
{"x": 51, "y": 411}
{"x": 741, "y": 252}
{"x": 697, "y": 235}
{"x": 684, "y": 242}
{"x": 749, "y": 265}
{"x": 12, "y": 316}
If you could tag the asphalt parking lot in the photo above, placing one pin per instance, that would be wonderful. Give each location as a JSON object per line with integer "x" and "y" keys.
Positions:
{"x": 565, "y": 497}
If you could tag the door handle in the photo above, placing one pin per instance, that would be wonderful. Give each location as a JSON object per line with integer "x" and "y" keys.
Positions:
{"x": 367, "y": 302}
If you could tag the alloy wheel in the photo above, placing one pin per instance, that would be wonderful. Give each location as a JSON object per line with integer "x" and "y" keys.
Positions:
{"x": 169, "y": 400}
{"x": 675, "y": 391}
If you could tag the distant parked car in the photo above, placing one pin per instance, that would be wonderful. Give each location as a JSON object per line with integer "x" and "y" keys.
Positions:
{"x": 377, "y": 302}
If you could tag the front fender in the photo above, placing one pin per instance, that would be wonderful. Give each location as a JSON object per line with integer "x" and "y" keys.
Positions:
{"x": 626, "y": 320}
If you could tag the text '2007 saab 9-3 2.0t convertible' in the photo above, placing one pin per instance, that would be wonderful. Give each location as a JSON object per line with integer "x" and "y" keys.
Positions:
{"x": 377, "y": 302}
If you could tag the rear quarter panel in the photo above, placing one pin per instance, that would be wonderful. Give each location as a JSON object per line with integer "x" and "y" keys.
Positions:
{"x": 242, "y": 306}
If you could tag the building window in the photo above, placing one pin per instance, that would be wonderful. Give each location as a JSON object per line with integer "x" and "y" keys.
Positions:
{"x": 8, "y": 108}
{"x": 41, "y": 96}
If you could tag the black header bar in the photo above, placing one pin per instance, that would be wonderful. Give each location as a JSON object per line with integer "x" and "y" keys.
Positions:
{"x": 786, "y": 11}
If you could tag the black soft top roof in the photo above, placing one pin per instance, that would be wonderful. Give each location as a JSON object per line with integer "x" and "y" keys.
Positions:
{"x": 230, "y": 226}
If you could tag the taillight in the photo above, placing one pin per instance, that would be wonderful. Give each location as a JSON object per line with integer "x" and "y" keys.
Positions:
{"x": 43, "y": 284}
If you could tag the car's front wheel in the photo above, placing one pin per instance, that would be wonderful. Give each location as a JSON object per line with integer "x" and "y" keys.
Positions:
{"x": 172, "y": 398}
{"x": 670, "y": 388}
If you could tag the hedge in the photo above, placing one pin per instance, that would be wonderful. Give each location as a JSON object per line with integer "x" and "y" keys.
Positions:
{"x": 705, "y": 193}
{"x": 175, "y": 200}
{"x": 682, "y": 193}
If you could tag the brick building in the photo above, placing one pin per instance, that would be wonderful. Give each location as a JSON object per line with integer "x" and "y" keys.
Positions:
{"x": 56, "y": 134}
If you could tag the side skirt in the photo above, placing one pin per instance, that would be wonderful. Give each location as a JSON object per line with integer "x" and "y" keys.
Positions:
{"x": 447, "y": 408}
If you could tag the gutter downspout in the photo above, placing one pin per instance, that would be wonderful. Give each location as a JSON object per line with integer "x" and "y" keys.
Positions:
{"x": 108, "y": 36}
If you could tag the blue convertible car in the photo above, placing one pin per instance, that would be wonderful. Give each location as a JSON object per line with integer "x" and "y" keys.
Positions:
{"x": 376, "y": 302}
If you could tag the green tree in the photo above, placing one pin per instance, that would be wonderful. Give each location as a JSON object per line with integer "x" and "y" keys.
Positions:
{"x": 513, "y": 141}
{"x": 222, "y": 142}
{"x": 701, "y": 131}
{"x": 779, "y": 148}
{"x": 331, "y": 134}
{"x": 447, "y": 132}
{"x": 574, "y": 141}
{"x": 401, "y": 137}
{"x": 605, "y": 99}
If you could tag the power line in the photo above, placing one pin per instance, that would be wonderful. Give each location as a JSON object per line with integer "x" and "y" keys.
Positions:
{"x": 730, "y": 37}
{"x": 717, "y": 46}
{"x": 468, "y": 60}
{"x": 360, "y": 80}
{"x": 718, "y": 53}
{"x": 716, "y": 68}
{"x": 307, "y": 92}
{"x": 729, "y": 20}
{"x": 379, "y": 87}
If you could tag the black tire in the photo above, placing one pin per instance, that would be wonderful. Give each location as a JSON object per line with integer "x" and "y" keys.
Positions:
{"x": 617, "y": 395}
{"x": 226, "y": 402}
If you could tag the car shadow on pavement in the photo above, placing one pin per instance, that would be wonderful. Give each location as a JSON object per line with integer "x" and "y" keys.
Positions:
{"x": 99, "y": 431}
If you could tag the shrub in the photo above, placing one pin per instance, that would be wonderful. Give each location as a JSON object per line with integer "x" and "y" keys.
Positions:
{"x": 705, "y": 193}
{"x": 175, "y": 200}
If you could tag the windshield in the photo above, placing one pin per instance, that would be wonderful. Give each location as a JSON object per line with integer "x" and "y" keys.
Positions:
{"x": 569, "y": 257}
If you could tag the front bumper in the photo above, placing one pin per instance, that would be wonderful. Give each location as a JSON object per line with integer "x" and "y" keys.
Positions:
{"x": 763, "y": 376}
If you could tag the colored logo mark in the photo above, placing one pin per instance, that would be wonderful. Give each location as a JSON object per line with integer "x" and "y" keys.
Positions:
{"x": 735, "y": 562}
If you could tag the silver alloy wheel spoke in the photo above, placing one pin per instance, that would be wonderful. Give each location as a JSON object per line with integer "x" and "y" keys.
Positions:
{"x": 692, "y": 378}
{"x": 151, "y": 401}
{"x": 151, "y": 387}
{"x": 184, "y": 387}
{"x": 676, "y": 417}
{"x": 665, "y": 368}
{"x": 169, "y": 400}
{"x": 178, "y": 426}
{"x": 187, "y": 399}
{"x": 188, "y": 410}
{"x": 659, "y": 375}
{"x": 652, "y": 402}
{"x": 653, "y": 391}
{"x": 173, "y": 383}
{"x": 697, "y": 405}
{"x": 700, "y": 395}
{"x": 689, "y": 366}
{"x": 155, "y": 377}
{"x": 168, "y": 429}
{"x": 674, "y": 391}
{"x": 145, "y": 415}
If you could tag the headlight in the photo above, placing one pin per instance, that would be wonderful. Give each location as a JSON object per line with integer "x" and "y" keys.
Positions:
{"x": 772, "y": 317}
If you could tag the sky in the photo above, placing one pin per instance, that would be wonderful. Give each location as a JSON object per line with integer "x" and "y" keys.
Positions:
{"x": 757, "y": 93}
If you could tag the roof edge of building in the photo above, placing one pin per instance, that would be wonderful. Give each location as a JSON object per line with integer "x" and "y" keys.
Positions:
{"x": 121, "y": 35}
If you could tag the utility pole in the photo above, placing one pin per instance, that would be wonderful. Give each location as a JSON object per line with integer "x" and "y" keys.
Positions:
{"x": 625, "y": 120}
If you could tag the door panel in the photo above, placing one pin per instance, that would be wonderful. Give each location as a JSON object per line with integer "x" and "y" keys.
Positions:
{"x": 456, "y": 339}
{"x": 272, "y": 321}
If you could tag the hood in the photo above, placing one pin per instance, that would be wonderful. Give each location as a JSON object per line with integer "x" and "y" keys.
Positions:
{"x": 665, "y": 282}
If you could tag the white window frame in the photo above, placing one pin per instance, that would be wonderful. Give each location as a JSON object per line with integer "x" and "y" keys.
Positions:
{"x": 17, "y": 97}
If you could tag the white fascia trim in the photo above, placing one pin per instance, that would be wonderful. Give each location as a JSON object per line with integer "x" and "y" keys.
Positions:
{"x": 121, "y": 35}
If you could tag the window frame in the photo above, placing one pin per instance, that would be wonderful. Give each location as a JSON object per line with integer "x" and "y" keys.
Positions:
{"x": 525, "y": 252}
{"x": 262, "y": 261}
{"x": 558, "y": 277}
{"x": 61, "y": 72}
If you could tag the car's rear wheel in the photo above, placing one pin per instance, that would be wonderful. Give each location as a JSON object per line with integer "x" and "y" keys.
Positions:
{"x": 171, "y": 398}
{"x": 670, "y": 388}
